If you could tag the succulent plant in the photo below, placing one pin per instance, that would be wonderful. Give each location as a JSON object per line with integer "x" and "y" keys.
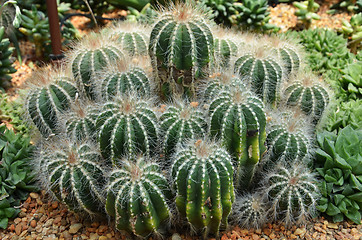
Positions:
{"x": 308, "y": 93}
{"x": 249, "y": 211}
{"x": 222, "y": 11}
{"x": 127, "y": 126}
{"x": 145, "y": 16}
{"x": 122, "y": 78}
{"x": 225, "y": 46}
{"x": 289, "y": 135}
{"x": 92, "y": 54}
{"x": 138, "y": 196}
{"x": 80, "y": 121}
{"x": 291, "y": 192}
{"x": 74, "y": 173}
{"x": 6, "y": 62}
{"x": 181, "y": 48}
{"x": 53, "y": 94}
{"x": 351, "y": 80}
{"x": 263, "y": 72}
{"x": 306, "y": 12}
{"x": 132, "y": 37}
{"x": 34, "y": 24}
{"x": 202, "y": 173}
{"x": 353, "y": 30}
{"x": 180, "y": 123}
{"x": 237, "y": 117}
{"x": 339, "y": 163}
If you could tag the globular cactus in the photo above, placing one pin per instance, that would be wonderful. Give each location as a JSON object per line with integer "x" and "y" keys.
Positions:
{"x": 287, "y": 51}
{"x": 6, "y": 62}
{"x": 92, "y": 54}
{"x": 202, "y": 173}
{"x": 180, "y": 123}
{"x": 74, "y": 173}
{"x": 80, "y": 121}
{"x": 289, "y": 135}
{"x": 127, "y": 126}
{"x": 225, "y": 46}
{"x": 137, "y": 197}
{"x": 125, "y": 77}
{"x": 264, "y": 73}
{"x": 249, "y": 211}
{"x": 53, "y": 93}
{"x": 291, "y": 192}
{"x": 309, "y": 93}
{"x": 132, "y": 37}
{"x": 181, "y": 48}
{"x": 237, "y": 117}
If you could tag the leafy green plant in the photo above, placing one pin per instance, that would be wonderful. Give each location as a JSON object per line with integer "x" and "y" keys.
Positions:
{"x": 223, "y": 11}
{"x": 306, "y": 12}
{"x": 6, "y": 61}
{"x": 352, "y": 30}
{"x": 351, "y": 80}
{"x": 146, "y": 15}
{"x": 16, "y": 176}
{"x": 339, "y": 163}
{"x": 349, "y": 5}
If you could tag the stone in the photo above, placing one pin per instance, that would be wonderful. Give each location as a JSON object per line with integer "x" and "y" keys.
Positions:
{"x": 49, "y": 222}
{"x": 74, "y": 228}
{"x": 103, "y": 238}
{"x": 18, "y": 229}
{"x": 332, "y": 225}
{"x": 299, "y": 231}
{"x": 34, "y": 195}
{"x": 176, "y": 236}
{"x": 33, "y": 223}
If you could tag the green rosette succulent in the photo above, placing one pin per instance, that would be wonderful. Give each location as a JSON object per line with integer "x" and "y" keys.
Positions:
{"x": 351, "y": 80}
{"x": 339, "y": 163}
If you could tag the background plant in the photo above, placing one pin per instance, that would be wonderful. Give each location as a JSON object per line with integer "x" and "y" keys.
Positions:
{"x": 352, "y": 30}
{"x": 6, "y": 61}
{"x": 306, "y": 12}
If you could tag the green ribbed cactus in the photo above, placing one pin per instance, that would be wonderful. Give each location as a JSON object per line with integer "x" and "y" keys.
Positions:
{"x": 308, "y": 93}
{"x": 132, "y": 37}
{"x": 225, "y": 46}
{"x": 263, "y": 72}
{"x": 75, "y": 175}
{"x": 123, "y": 78}
{"x": 180, "y": 123}
{"x": 289, "y": 54}
{"x": 292, "y": 192}
{"x": 237, "y": 117}
{"x": 202, "y": 173}
{"x": 181, "y": 48}
{"x": 137, "y": 197}
{"x": 289, "y": 135}
{"x": 249, "y": 211}
{"x": 92, "y": 54}
{"x": 127, "y": 126}
{"x": 53, "y": 94}
{"x": 80, "y": 122}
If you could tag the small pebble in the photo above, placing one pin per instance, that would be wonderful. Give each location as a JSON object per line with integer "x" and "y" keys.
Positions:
{"x": 33, "y": 223}
{"x": 18, "y": 229}
{"x": 34, "y": 195}
{"x": 332, "y": 225}
{"x": 74, "y": 228}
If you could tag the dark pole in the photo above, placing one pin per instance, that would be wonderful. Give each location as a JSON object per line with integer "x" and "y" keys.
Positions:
{"x": 54, "y": 28}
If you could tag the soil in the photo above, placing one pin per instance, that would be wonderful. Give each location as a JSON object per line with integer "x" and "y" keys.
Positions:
{"x": 43, "y": 218}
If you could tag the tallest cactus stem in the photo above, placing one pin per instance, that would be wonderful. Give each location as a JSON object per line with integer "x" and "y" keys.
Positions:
{"x": 181, "y": 47}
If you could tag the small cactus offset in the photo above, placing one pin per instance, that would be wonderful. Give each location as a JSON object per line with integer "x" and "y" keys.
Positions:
{"x": 73, "y": 172}
{"x": 181, "y": 48}
{"x": 309, "y": 94}
{"x": 225, "y": 46}
{"x": 289, "y": 135}
{"x": 264, "y": 73}
{"x": 202, "y": 173}
{"x": 249, "y": 211}
{"x": 127, "y": 126}
{"x": 132, "y": 37}
{"x": 53, "y": 94}
{"x": 137, "y": 197}
{"x": 80, "y": 121}
{"x": 237, "y": 117}
{"x": 180, "y": 123}
{"x": 92, "y": 54}
{"x": 6, "y": 62}
{"x": 122, "y": 78}
{"x": 292, "y": 192}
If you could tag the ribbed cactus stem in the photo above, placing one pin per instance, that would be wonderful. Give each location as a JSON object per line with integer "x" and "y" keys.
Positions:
{"x": 74, "y": 173}
{"x": 203, "y": 177}
{"x": 92, "y": 54}
{"x": 137, "y": 197}
{"x": 263, "y": 72}
{"x": 52, "y": 95}
{"x": 237, "y": 117}
{"x": 181, "y": 48}
{"x": 123, "y": 78}
{"x": 224, "y": 50}
{"x": 180, "y": 123}
{"x": 127, "y": 126}
{"x": 288, "y": 135}
{"x": 309, "y": 94}
{"x": 292, "y": 192}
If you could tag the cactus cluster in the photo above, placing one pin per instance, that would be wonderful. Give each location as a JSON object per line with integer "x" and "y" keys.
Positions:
{"x": 175, "y": 143}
